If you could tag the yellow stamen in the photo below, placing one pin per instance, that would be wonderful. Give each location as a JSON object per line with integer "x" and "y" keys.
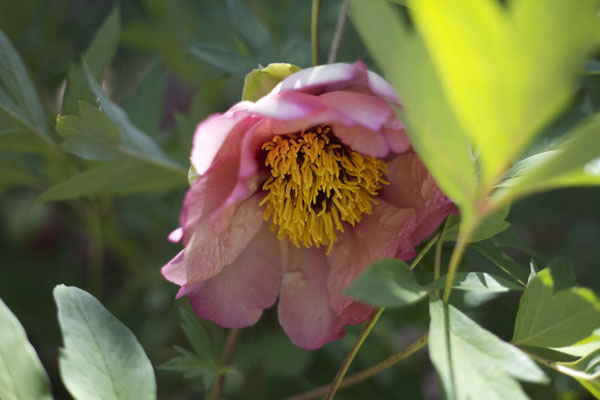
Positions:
{"x": 316, "y": 184}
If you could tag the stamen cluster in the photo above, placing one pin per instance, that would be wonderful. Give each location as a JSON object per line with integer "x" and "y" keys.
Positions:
{"x": 316, "y": 183}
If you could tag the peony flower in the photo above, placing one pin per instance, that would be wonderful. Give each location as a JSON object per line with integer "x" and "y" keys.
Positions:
{"x": 297, "y": 194}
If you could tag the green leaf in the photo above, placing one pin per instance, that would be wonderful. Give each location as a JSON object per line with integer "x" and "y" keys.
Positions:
{"x": 259, "y": 82}
{"x": 20, "y": 107}
{"x": 272, "y": 352}
{"x": 476, "y": 282}
{"x": 123, "y": 177}
{"x": 471, "y": 361}
{"x": 203, "y": 344}
{"x": 101, "y": 359}
{"x": 592, "y": 386}
{"x": 22, "y": 376}
{"x": 501, "y": 260}
{"x": 388, "y": 283}
{"x": 492, "y": 225}
{"x": 432, "y": 127}
{"x": 92, "y": 135}
{"x": 98, "y": 56}
{"x": 497, "y": 88}
{"x": 552, "y": 315}
{"x": 145, "y": 107}
{"x": 589, "y": 365}
{"x": 224, "y": 59}
{"x": 137, "y": 143}
{"x": 575, "y": 161}
{"x": 250, "y": 28}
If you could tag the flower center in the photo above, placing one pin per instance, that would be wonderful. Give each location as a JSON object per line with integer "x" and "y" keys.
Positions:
{"x": 316, "y": 183}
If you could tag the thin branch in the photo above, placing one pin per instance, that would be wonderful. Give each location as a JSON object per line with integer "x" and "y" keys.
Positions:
{"x": 348, "y": 360}
{"x": 424, "y": 251}
{"x": 367, "y": 373}
{"x": 339, "y": 32}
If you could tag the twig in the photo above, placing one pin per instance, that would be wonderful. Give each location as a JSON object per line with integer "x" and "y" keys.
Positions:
{"x": 348, "y": 360}
{"x": 367, "y": 373}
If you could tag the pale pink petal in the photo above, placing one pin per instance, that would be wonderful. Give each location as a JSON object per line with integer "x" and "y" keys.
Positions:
{"x": 363, "y": 109}
{"x": 412, "y": 186}
{"x": 208, "y": 193}
{"x": 212, "y": 133}
{"x": 287, "y": 106}
{"x": 176, "y": 235}
{"x": 396, "y": 137}
{"x": 361, "y": 139}
{"x": 236, "y": 297}
{"x": 304, "y": 311}
{"x": 380, "y": 87}
{"x": 354, "y": 313}
{"x": 322, "y": 77}
{"x": 174, "y": 270}
{"x": 207, "y": 251}
{"x": 378, "y": 235}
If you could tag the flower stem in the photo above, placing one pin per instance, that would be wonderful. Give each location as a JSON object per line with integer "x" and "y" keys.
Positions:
{"x": 348, "y": 360}
{"x": 339, "y": 32}
{"x": 230, "y": 344}
{"x": 314, "y": 31}
{"x": 367, "y": 329}
{"x": 367, "y": 373}
{"x": 424, "y": 250}
{"x": 461, "y": 245}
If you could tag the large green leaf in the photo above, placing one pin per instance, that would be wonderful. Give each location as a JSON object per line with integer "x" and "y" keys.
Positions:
{"x": 575, "y": 161}
{"x": 224, "y": 59}
{"x": 476, "y": 282}
{"x": 387, "y": 282}
{"x": 20, "y": 107}
{"x": 496, "y": 86}
{"x": 102, "y": 359}
{"x": 501, "y": 260}
{"x": 251, "y": 29}
{"x": 551, "y": 314}
{"x": 121, "y": 177}
{"x": 98, "y": 56}
{"x": 433, "y": 129}
{"x": 22, "y": 376}
{"x": 492, "y": 225}
{"x": 472, "y": 362}
{"x": 131, "y": 137}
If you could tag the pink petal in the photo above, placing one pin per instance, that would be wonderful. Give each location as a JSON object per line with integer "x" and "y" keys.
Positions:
{"x": 236, "y": 297}
{"x": 363, "y": 109}
{"x": 412, "y": 186}
{"x": 354, "y": 313}
{"x": 176, "y": 235}
{"x": 381, "y": 87}
{"x": 361, "y": 139}
{"x": 304, "y": 311}
{"x": 287, "y": 106}
{"x": 212, "y": 133}
{"x": 378, "y": 235}
{"x": 396, "y": 137}
{"x": 322, "y": 77}
{"x": 207, "y": 252}
{"x": 208, "y": 193}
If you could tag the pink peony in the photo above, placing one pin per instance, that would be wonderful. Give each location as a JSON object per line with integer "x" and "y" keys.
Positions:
{"x": 298, "y": 193}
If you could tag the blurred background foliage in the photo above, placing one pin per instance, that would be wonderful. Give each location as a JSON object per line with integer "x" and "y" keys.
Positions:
{"x": 178, "y": 61}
